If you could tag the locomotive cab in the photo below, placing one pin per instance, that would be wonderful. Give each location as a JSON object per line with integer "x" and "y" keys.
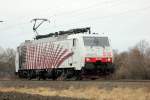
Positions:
{"x": 93, "y": 54}
{"x": 98, "y": 55}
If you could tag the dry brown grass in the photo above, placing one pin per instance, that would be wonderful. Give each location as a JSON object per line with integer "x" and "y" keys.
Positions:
{"x": 92, "y": 93}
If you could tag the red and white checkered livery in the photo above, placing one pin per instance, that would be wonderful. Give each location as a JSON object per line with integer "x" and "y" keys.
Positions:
{"x": 45, "y": 55}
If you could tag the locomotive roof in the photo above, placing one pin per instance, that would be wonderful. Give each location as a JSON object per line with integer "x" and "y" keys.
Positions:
{"x": 61, "y": 37}
{"x": 73, "y": 33}
{"x": 68, "y": 32}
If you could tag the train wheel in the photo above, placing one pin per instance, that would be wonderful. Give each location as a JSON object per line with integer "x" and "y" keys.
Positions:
{"x": 78, "y": 75}
{"x": 38, "y": 78}
{"x": 29, "y": 76}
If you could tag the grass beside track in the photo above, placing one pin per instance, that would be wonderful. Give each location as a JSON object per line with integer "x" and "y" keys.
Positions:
{"x": 62, "y": 90}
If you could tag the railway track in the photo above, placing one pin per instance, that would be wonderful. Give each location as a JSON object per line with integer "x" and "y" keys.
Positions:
{"x": 76, "y": 84}
{"x": 85, "y": 80}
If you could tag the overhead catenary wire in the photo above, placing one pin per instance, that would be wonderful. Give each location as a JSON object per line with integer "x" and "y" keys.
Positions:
{"x": 81, "y": 11}
{"x": 106, "y": 16}
{"x": 78, "y": 10}
{"x": 63, "y": 13}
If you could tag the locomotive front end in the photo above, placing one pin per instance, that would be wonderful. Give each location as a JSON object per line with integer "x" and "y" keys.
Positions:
{"x": 98, "y": 56}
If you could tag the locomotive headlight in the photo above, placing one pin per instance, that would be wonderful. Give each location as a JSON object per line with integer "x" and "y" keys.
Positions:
{"x": 90, "y": 59}
{"x": 87, "y": 59}
{"x": 108, "y": 59}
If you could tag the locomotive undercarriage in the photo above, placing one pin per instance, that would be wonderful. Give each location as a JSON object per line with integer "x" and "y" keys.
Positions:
{"x": 97, "y": 70}
{"x": 90, "y": 71}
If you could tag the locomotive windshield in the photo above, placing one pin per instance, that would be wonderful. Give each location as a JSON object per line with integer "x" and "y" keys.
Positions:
{"x": 96, "y": 41}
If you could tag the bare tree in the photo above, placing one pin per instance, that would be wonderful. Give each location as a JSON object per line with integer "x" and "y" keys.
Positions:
{"x": 142, "y": 46}
{"x": 7, "y": 63}
{"x": 134, "y": 64}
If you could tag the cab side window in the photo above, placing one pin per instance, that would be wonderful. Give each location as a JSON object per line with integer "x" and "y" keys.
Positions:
{"x": 74, "y": 42}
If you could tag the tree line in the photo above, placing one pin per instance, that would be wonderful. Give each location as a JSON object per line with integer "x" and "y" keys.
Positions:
{"x": 134, "y": 63}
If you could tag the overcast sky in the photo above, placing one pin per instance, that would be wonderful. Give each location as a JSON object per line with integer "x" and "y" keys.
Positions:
{"x": 126, "y": 22}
